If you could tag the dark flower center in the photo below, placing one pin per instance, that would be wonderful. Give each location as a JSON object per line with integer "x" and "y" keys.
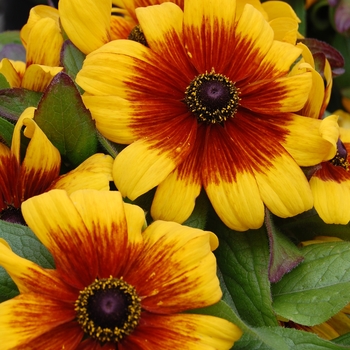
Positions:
{"x": 137, "y": 35}
{"x": 341, "y": 157}
{"x": 108, "y": 309}
{"x": 212, "y": 98}
{"x": 13, "y": 215}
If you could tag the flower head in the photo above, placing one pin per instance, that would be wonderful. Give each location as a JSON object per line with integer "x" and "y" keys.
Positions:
{"x": 112, "y": 285}
{"x": 39, "y": 171}
{"x": 330, "y": 184}
{"x": 210, "y": 103}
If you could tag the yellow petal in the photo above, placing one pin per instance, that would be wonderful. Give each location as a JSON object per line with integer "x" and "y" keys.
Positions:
{"x": 312, "y": 141}
{"x": 31, "y": 278}
{"x": 284, "y": 188}
{"x": 178, "y": 269}
{"x": 55, "y": 220}
{"x": 10, "y": 73}
{"x": 117, "y": 129}
{"x": 175, "y": 197}
{"x": 185, "y": 332}
{"x": 44, "y": 43}
{"x": 138, "y": 168}
{"x": 331, "y": 200}
{"x": 22, "y": 319}
{"x": 36, "y": 14}
{"x": 94, "y": 173}
{"x": 38, "y": 77}
{"x": 104, "y": 217}
{"x": 87, "y": 23}
{"x": 238, "y": 203}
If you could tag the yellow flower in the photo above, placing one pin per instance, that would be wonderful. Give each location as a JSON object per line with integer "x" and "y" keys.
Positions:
{"x": 89, "y": 24}
{"x": 330, "y": 184}
{"x": 112, "y": 285}
{"x": 39, "y": 171}
{"x": 42, "y": 38}
{"x": 210, "y": 103}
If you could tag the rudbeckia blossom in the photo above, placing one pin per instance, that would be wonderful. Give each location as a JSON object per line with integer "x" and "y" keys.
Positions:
{"x": 210, "y": 103}
{"x": 90, "y": 24}
{"x": 39, "y": 170}
{"x": 330, "y": 184}
{"x": 41, "y": 36}
{"x": 112, "y": 285}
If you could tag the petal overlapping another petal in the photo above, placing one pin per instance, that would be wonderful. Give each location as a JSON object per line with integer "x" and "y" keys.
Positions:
{"x": 175, "y": 197}
{"x": 9, "y": 72}
{"x": 37, "y": 77}
{"x": 287, "y": 94}
{"x": 230, "y": 183}
{"x": 183, "y": 331}
{"x": 150, "y": 163}
{"x": 283, "y": 186}
{"x": 41, "y": 164}
{"x": 330, "y": 187}
{"x": 87, "y": 23}
{"x": 44, "y": 43}
{"x": 23, "y": 319}
{"x": 209, "y": 27}
{"x": 104, "y": 216}
{"x": 57, "y": 223}
{"x": 315, "y": 146}
{"x": 178, "y": 269}
{"x": 31, "y": 278}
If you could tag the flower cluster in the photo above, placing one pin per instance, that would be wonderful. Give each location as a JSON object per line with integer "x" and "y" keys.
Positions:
{"x": 133, "y": 131}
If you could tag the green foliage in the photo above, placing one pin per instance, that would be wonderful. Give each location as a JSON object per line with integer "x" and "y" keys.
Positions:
{"x": 24, "y": 243}
{"x": 64, "y": 119}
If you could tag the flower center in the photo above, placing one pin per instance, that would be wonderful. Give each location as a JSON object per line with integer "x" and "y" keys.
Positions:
{"x": 13, "y": 215}
{"x": 341, "y": 157}
{"x": 108, "y": 309}
{"x": 212, "y": 98}
{"x": 137, "y": 35}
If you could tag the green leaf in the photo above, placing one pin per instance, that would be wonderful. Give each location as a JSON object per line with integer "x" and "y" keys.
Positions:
{"x": 279, "y": 338}
{"x": 243, "y": 261}
{"x": 343, "y": 339}
{"x": 24, "y": 243}
{"x": 10, "y": 37}
{"x": 318, "y": 288}
{"x": 198, "y": 218}
{"x": 72, "y": 60}
{"x": 6, "y": 131}
{"x": 284, "y": 255}
{"x": 4, "y": 84}
{"x": 62, "y": 116}
{"x": 14, "y": 101}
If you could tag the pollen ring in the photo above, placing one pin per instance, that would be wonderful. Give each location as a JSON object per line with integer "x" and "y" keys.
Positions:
{"x": 212, "y": 98}
{"x": 108, "y": 309}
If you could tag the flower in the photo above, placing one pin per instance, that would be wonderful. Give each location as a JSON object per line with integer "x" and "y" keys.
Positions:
{"x": 330, "y": 184}
{"x": 41, "y": 36}
{"x": 112, "y": 284}
{"x": 40, "y": 168}
{"x": 209, "y": 103}
{"x": 89, "y": 23}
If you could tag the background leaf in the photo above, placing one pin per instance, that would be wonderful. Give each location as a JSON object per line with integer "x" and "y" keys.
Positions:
{"x": 318, "y": 288}
{"x": 62, "y": 116}
{"x": 243, "y": 259}
{"x": 24, "y": 243}
{"x": 14, "y": 101}
{"x": 6, "y": 131}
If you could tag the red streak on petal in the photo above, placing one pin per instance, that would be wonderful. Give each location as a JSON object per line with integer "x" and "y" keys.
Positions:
{"x": 330, "y": 172}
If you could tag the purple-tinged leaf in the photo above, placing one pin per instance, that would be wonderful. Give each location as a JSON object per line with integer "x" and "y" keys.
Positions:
{"x": 334, "y": 57}
{"x": 284, "y": 255}
{"x": 14, "y": 101}
{"x": 65, "y": 120}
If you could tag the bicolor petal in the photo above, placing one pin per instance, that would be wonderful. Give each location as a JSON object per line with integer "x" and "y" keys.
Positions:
{"x": 191, "y": 284}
